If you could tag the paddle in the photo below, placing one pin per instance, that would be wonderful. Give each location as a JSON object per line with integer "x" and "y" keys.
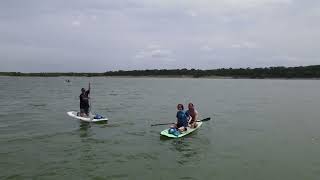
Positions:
{"x": 90, "y": 106}
{"x": 206, "y": 119}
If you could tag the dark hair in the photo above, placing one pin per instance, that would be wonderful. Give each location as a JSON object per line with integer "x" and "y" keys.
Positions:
{"x": 180, "y": 105}
{"x": 83, "y": 89}
{"x": 191, "y": 104}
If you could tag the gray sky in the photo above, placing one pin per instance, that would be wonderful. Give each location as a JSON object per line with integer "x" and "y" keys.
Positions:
{"x": 101, "y": 35}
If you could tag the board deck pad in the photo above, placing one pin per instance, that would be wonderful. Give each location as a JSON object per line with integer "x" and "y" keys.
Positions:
{"x": 189, "y": 130}
{"x": 86, "y": 119}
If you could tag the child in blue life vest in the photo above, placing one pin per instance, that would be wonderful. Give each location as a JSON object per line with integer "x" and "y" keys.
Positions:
{"x": 182, "y": 119}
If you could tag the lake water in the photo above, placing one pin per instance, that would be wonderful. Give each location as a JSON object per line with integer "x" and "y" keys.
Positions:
{"x": 260, "y": 129}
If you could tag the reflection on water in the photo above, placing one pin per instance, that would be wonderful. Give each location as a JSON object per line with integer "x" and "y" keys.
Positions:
{"x": 84, "y": 125}
{"x": 164, "y": 138}
{"x": 84, "y": 129}
{"x": 101, "y": 122}
{"x": 187, "y": 153}
{"x": 187, "y": 148}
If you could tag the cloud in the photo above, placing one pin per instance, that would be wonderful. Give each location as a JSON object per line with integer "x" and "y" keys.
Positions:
{"x": 285, "y": 58}
{"x": 160, "y": 53}
{"x": 154, "y": 51}
{"x": 153, "y": 46}
{"x": 76, "y": 23}
{"x": 159, "y": 33}
{"x": 206, "y": 48}
{"x": 94, "y": 17}
{"x": 255, "y": 3}
{"x": 192, "y": 13}
{"x": 246, "y": 45}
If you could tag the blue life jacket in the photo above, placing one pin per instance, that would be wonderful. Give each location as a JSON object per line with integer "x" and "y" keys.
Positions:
{"x": 182, "y": 119}
{"x": 97, "y": 116}
{"x": 174, "y": 131}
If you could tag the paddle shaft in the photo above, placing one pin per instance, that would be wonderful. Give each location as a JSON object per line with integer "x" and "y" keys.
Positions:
{"x": 206, "y": 119}
{"x": 90, "y": 104}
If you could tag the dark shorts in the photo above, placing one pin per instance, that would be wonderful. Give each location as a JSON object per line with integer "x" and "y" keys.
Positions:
{"x": 84, "y": 110}
{"x": 185, "y": 125}
{"x": 192, "y": 121}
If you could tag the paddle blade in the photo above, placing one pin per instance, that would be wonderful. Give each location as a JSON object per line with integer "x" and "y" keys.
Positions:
{"x": 206, "y": 119}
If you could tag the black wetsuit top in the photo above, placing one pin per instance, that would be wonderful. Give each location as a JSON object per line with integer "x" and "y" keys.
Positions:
{"x": 84, "y": 100}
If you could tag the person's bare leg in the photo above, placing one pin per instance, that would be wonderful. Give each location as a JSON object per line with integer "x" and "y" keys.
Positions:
{"x": 181, "y": 129}
{"x": 194, "y": 125}
{"x": 173, "y": 126}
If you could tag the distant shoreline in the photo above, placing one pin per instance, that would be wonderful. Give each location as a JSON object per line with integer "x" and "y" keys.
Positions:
{"x": 300, "y": 72}
{"x": 207, "y": 77}
{"x": 168, "y": 77}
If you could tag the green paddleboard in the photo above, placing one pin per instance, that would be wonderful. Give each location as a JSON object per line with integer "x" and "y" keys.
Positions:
{"x": 188, "y": 131}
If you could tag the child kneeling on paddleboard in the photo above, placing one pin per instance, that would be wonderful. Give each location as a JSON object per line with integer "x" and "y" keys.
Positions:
{"x": 182, "y": 119}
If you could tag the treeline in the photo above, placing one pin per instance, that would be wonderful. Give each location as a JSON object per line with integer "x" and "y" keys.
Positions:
{"x": 269, "y": 72}
{"x": 49, "y": 74}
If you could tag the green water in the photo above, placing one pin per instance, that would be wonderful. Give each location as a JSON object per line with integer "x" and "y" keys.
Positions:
{"x": 260, "y": 129}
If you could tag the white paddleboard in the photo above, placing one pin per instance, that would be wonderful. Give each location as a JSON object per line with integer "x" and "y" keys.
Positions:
{"x": 86, "y": 119}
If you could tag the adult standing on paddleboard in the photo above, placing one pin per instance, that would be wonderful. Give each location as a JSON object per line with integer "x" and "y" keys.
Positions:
{"x": 84, "y": 102}
{"x": 193, "y": 113}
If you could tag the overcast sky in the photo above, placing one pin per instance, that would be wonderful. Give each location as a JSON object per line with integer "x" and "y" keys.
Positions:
{"x": 101, "y": 35}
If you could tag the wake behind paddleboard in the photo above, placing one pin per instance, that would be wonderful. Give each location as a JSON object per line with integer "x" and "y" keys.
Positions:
{"x": 188, "y": 131}
{"x": 74, "y": 114}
